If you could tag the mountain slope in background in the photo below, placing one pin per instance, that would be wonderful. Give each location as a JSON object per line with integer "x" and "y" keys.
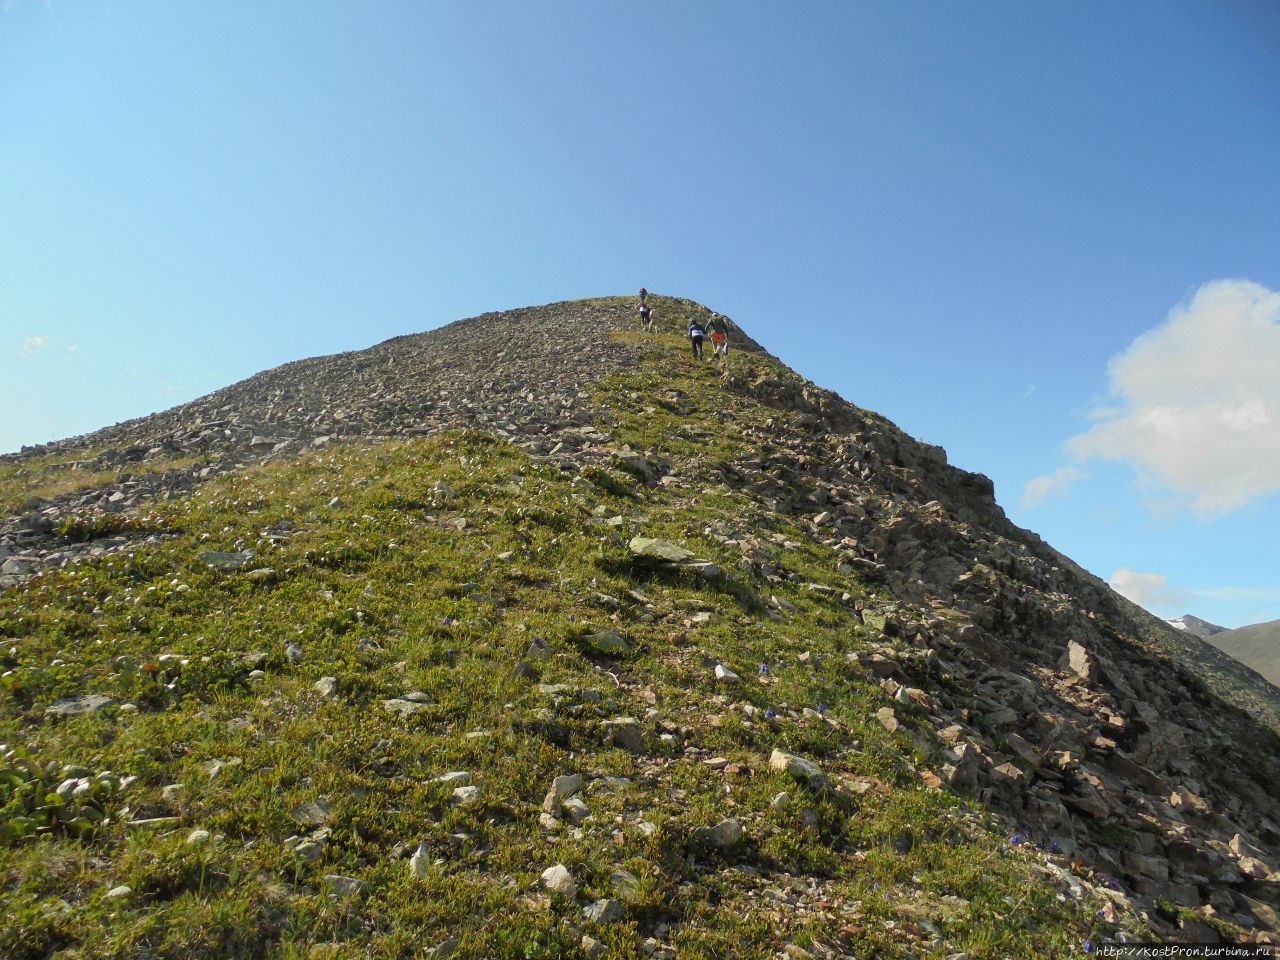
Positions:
{"x": 505, "y": 639}
{"x": 1256, "y": 646}
{"x": 1195, "y": 626}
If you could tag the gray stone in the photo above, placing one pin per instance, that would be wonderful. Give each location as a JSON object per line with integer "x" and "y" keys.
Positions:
{"x": 659, "y": 550}
{"x": 405, "y": 708}
{"x": 222, "y": 560}
{"x": 78, "y": 706}
{"x": 420, "y": 862}
{"x": 725, "y": 675}
{"x": 609, "y": 642}
{"x": 466, "y": 796}
{"x": 575, "y": 810}
{"x": 566, "y": 785}
{"x": 888, "y": 719}
{"x": 725, "y": 834}
{"x": 559, "y": 881}
{"x": 309, "y": 851}
{"x": 702, "y": 568}
{"x": 344, "y": 887}
{"x": 624, "y": 732}
{"x": 625, "y": 884}
{"x": 326, "y": 686}
{"x": 445, "y": 948}
{"x": 803, "y": 771}
{"x": 603, "y": 911}
{"x": 313, "y": 813}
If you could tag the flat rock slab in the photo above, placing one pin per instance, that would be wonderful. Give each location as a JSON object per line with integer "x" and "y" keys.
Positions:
{"x": 79, "y": 706}
{"x": 221, "y": 560}
{"x": 403, "y": 707}
{"x": 609, "y": 642}
{"x": 804, "y": 771}
{"x": 663, "y": 550}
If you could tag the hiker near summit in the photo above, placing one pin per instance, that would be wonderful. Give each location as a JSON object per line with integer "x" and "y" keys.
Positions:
{"x": 719, "y": 328}
{"x": 646, "y": 315}
{"x": 696, "y": 334}
{"x": 643, "y": 295}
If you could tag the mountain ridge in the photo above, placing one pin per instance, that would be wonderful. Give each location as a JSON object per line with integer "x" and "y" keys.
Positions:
{"x": 1009, "y": 675}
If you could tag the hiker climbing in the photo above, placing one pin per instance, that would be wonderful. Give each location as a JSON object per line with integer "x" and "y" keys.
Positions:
{"x": 643, "y": 295}
{"x": 646, "y": 316}
{"x": 697, "y": 332}
{"x": 719, "y": 329}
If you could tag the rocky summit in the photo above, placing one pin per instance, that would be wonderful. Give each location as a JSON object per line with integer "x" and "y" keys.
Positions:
{"x": 535, "y": 636}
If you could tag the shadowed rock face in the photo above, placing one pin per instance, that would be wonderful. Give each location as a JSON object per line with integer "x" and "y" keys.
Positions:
{"x": 1033, "y": 686}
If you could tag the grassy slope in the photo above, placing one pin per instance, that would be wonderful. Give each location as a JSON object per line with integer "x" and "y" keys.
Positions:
{"x": 1257, "y": 646}
{"x": 433, "y": 571}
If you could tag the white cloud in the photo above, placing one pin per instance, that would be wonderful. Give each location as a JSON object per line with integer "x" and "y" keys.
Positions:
{"x": 1147, "y": 590}
{"x": 1041, "y": 488}
{"x": 32, "y": 345}
{"x": 1196, "y": 401}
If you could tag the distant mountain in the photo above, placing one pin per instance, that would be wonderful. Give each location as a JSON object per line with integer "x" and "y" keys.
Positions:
{"x": 1196, "y": 626}
{"x": 1257, "y": 646}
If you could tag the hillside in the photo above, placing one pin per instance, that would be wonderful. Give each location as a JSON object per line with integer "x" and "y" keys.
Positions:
{"x": 1195, "y": 626}
{"x": 572, "y": 646}
{"x": 1256, "y": 646}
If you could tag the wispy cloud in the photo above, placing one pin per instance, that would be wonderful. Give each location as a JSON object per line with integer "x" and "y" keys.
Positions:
{"x": 1047, "y": 485}
{"x": 1265, "y": 594}
{"x": 1148, "y": 590}
{"x": 1195, "y": 406}
{"x": 32, "y": 345}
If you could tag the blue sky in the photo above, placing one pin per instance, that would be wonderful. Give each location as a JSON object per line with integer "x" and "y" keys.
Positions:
{"x": 1045, "y": 236}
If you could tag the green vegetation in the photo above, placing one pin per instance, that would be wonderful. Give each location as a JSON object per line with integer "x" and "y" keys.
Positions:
{"x": 460, "y": 568}
{"x": 24, "y": 483}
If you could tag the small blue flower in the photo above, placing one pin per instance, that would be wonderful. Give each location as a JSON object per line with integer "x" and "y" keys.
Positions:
{"x": 1088, "y": 946}
{"x": 764, "y": 669}
{"x": 447, "y": 622}
{"x": 451, "y": 653}
{"x": 822, "y": 708}
{"x": 537, "y": 642}
{"x": 770, "y": 714}
{"x": 1016, "y": 840}
{"x": 1055, "y": 847}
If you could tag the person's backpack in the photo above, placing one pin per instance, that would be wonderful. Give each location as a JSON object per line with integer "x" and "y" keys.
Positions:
{"x": 696, "y": 330}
